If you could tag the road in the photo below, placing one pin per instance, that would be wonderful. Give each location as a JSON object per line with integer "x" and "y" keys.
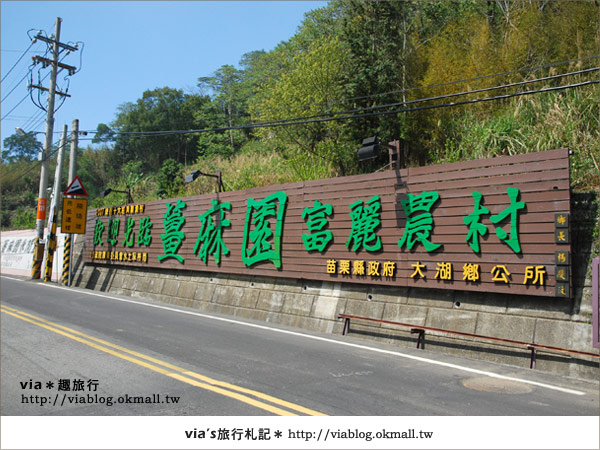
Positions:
{"x": 86, "y": 353}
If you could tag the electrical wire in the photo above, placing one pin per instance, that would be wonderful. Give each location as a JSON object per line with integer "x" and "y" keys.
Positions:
{"x": 346, "y": 114}
{"x": 39, "y": 163}
{"x": 466, "y": 80}
{"x": 34, "y": 118}
{"x": 558, "y": 63}
{"x": 426, "y": 107}
{"x": 456, "y": 94}
{"x": 14, "y": 81}
{"x": 16, "y": 86}
{"x": 40, "y": 121}
{"x": 29, "y": 69}
{"x": 28, "y": 73}
{"x": 15, "y": 107}
{"x": 329, "y": 119}
{"x": 18, "y": 61}
{"x": 39, "y": 102}
{"x": 350, "y": 115}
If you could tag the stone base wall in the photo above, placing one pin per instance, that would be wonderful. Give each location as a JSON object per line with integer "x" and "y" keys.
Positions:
{"x": 315, "y": 306}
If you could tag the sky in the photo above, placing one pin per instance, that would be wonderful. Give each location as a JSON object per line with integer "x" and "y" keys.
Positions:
{"x": 130, "y": 47}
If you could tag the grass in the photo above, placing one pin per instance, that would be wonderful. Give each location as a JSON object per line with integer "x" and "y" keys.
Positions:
{"x": 532, "y": 124}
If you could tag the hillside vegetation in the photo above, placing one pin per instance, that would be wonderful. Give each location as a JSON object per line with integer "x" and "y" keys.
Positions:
{"x": 355, "y": 69}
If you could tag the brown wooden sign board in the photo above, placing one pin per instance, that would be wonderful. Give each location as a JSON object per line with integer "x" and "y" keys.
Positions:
{"x": 487, "y": 225}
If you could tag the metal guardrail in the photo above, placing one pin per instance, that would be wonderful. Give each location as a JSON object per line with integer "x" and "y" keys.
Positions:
{"x": 531, "y": 346}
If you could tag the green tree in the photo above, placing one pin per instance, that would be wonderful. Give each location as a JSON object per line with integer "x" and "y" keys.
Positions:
{"x": 505, "y": 38}
{"x": 139, "y": 128}
{"x": 169, "y": 179}
{"x": 227, "y": 109}
{"x": 98, "y": 169}
{"x": 21, "y": 147}
{"x": 23, "y": 218}
{"x": 20, "y": 181}
{"x": 313, "y": 85}
{"x": 103, "y": 134}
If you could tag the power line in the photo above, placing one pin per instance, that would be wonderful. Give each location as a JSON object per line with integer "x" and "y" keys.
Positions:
{"x": 329, "y": 119}
{"x": 31, "y": 119}
{"x": 558, "y": 63}
{"x": 34, "y": 121}
{"x": 16, "y": 78}
{"x": 38, "y": 163}
{"x": 456, "y": 94}
{"x": 347, "y": 115}
{"x": 449, "y": 83}
{"x": 16, "y": 86}
{"x": 466, "y": 80}
{"x": 421, "y": 108}
{"x": 15, "y": 107}
{"x": 18, "y": 61}
{"x": 18, "y": 51}
{"x": 29, "y": 71}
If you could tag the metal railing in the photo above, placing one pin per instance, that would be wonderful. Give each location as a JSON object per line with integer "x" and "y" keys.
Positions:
{"x": 531, "y": 346}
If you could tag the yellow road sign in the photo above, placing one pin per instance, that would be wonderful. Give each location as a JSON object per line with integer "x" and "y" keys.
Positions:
{"x": 74, "y": 213}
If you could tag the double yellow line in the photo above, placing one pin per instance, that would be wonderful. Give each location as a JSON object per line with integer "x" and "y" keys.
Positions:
{"x": 257, "y": 399}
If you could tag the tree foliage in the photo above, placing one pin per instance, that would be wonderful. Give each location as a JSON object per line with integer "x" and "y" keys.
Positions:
{"x": 170, "y": 179}
{"x": 158, "y": 110}
{"x": 311, "y": 87}
{"x": 19, "y": 147}
{"x": 367, "y": 60}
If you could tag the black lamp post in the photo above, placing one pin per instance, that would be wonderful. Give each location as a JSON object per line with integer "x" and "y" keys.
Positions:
{"x": 109, "y": 190}
{"x": 370, "y": 150}
{"x": 196, "y": 173}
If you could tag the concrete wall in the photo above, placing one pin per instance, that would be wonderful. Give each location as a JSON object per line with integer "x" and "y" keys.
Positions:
{"x": 16, "y": 253}
{"x": 315, "y": 306}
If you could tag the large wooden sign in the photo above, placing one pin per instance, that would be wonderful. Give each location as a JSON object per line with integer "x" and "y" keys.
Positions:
{"x": 496, "y": 225}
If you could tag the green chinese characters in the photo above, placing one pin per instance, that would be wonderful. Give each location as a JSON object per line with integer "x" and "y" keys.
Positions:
{"x": 98, "y": 231}
{"x": 420, "y": 223}
{"x": 318, "y": 237}
{"x": 210, "y": 237}
{"x": 366, "y": 218}
{"x": 144, "y": 232}
{"x": 173, "y": 236}
{"x": 476, "y": 228}
{"x": 113, "y": 231}
{"x": 129, "y": 233}
{"x": 419, "y": 220}
{"x": 144, "y": 236}
{"x": 260, "y": 242}
{"x": 262, "y": 238}
{"x": 512, "y": 211}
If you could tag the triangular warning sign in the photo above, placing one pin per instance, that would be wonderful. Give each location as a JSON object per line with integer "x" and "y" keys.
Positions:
{"x": 76, "y": 188}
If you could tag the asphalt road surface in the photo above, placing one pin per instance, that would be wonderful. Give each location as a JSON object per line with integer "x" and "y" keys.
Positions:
{"x": 85, "y": 353}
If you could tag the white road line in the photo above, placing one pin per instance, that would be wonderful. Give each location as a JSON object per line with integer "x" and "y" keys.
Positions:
{"x": 322, "y": 339}
{"x": 11, "y": 278}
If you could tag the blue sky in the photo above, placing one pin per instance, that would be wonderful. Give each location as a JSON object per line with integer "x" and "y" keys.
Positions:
{"x": 131, "y": 47}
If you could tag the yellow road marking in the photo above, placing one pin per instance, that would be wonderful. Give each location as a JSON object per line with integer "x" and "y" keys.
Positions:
{"x": 210, "y": 384}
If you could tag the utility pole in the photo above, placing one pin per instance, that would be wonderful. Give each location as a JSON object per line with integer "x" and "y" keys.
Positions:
{"x": 51, "y": 247}
{"x": 73, "y": 154}
{"x": 66, "y": 273}
{"x": 42, "y": 194}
